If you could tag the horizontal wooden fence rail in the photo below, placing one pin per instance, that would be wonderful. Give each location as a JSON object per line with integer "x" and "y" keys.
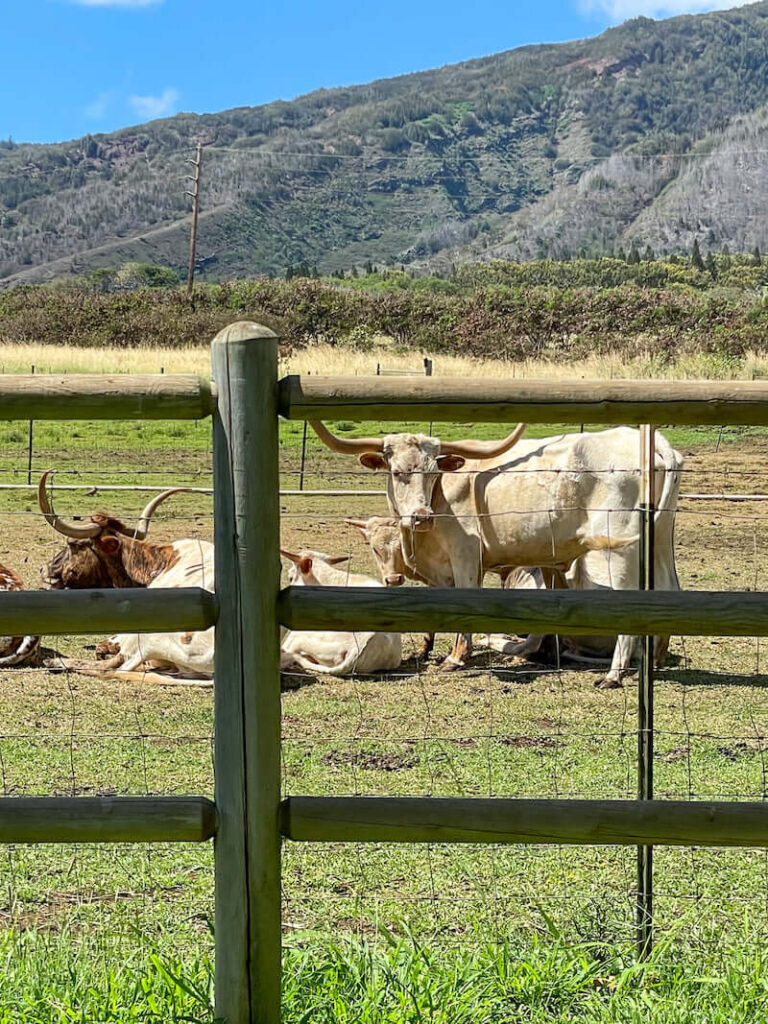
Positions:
{"x": 107, "y": 819}
{"x": 62, "y": 612}
{"x": 458, "y": 400}
{"x": 168, "y": 396}
{"x": 587, "y": 612}
{"x": 496, "y": 820}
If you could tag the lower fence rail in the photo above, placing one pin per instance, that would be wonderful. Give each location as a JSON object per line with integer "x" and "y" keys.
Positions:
{"x": 107, "y": 819}
{"x": 498, "y": 820}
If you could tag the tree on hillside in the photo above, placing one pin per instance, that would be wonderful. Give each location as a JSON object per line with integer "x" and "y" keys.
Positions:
{"x": 757, "y": 259}
{"x": 711, "y": 265}
{"x": 648, "y": 255}
{"x": 697, "y": 261}
{"x": 634, "y": 254}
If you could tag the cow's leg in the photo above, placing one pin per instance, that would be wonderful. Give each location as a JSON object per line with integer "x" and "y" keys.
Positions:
{"x": 517, "y": 648}
{"x": 467, "y": 573}
{"x": 426, "y": 646}
{"x": 462, "y": 647}
{"x": 622, "y": 656}
{"x": 665, "y": 579}
{"x": 623, "y": 576}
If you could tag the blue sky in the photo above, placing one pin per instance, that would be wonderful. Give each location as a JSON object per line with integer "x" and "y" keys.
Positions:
{"x": 75, "y": 66}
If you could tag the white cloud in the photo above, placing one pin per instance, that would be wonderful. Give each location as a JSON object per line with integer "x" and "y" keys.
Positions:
{"x": 116, "y": 3}
{"x": 96, "y": 110}
{"x": 150, "y": 107}
{"x": 620, "y": 10}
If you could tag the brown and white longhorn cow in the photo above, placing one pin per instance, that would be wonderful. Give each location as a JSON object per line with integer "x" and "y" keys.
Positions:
{"x": 104, "y": 552}
{"x": 548, "y": 503}
{"x": 16, "y": 651}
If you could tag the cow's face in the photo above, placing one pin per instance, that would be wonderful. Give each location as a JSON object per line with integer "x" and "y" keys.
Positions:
{"x": 88, "y": 563}
{"x": 385, "y": 540}
{"x": 414, "y": 464}
{"x": 76, "y": 567}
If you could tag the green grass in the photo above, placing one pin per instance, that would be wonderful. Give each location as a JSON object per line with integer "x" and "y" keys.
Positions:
{"x": 385, "y": 933}
{"x": 393, "y": 979}
{"x": 56, "y": 977}
{"x": 402, "y": 979}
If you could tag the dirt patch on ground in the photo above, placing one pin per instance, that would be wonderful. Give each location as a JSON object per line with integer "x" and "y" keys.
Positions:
{"x": 379, "y": 762}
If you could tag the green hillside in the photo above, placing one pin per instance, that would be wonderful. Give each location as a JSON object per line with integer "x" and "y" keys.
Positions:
{"x": 650, "y": 133}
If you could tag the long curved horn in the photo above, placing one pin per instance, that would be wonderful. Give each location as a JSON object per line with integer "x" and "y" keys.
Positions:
{"x": 483, "y": 449}
{"x": 291, "y": 556}
{"x": 67, "y": 529}
{"x": 349, "y": 446}
{"x": 142, "y": 528}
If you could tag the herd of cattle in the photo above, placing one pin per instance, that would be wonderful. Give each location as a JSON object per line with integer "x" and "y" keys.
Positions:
{"x": 554, "y": 512}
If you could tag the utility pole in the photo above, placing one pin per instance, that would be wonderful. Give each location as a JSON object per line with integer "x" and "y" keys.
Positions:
{"x": 195, "y": 195}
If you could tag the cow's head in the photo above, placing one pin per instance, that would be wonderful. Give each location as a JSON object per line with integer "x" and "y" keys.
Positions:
{"x": 103, "y": 551}
{"x": 303, "y": 564}
{"x": 386, "y": 542}
{"x": 414, "y": 462}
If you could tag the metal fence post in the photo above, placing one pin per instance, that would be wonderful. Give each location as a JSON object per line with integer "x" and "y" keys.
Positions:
{"x": 645, "y": 692}
{"x": 303, "y": 456}
{"x": 247, "y": 673}
{"x": 31, "y": 443}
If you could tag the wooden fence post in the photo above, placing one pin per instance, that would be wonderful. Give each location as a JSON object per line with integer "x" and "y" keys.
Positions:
{"x": 247, "y": 675}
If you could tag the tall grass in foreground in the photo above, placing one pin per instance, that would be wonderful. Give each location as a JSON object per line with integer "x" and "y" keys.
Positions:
{"x": 63, "y": 976}
{"x": 56, "y": 979}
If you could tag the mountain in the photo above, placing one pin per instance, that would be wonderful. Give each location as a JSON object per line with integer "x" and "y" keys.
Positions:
{"x": 653, "y": 133}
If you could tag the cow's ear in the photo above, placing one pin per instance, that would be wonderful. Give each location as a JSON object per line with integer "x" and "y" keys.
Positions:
{"x": 450, "y": 463}
{"x": 305, "y": 565}
{"x": 108, "y": 543}
{"x": 372, "y": 460}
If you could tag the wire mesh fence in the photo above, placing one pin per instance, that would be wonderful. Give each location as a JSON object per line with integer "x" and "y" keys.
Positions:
{"x": 538, "y": 728}
{"x": 503, "y": 727}
{"x": 81, "y": 923}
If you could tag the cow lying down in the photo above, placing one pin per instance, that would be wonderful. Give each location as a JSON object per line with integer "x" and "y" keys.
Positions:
{"x": 16, "y": 651}
{"x": 104, "y": 552}
{"x": 335, "y": 653}
{"x": 588, "y": 650}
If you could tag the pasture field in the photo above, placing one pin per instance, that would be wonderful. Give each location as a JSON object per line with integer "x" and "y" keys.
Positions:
{"x": 386, "y": 933}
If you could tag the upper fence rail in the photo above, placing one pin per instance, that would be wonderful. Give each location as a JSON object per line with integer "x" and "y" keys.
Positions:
{"x": 459, "y": 400}
{"x": 79, "y": 396}
{"x": 188, "y": 397}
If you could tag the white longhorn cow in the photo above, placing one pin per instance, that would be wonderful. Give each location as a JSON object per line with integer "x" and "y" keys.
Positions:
{"x": 430, "y": 564}
{"x": 547, "y": 503}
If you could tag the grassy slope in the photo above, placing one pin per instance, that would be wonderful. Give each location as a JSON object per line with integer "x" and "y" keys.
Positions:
{"x": 406, "y": 168}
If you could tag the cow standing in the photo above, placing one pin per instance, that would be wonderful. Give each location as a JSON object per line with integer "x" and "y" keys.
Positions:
{"x": 542, "y": 505}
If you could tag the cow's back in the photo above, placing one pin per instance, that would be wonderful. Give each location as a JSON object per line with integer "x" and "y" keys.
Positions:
{"x": 193, "y": 567}
{"x": 536, "y": 504}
